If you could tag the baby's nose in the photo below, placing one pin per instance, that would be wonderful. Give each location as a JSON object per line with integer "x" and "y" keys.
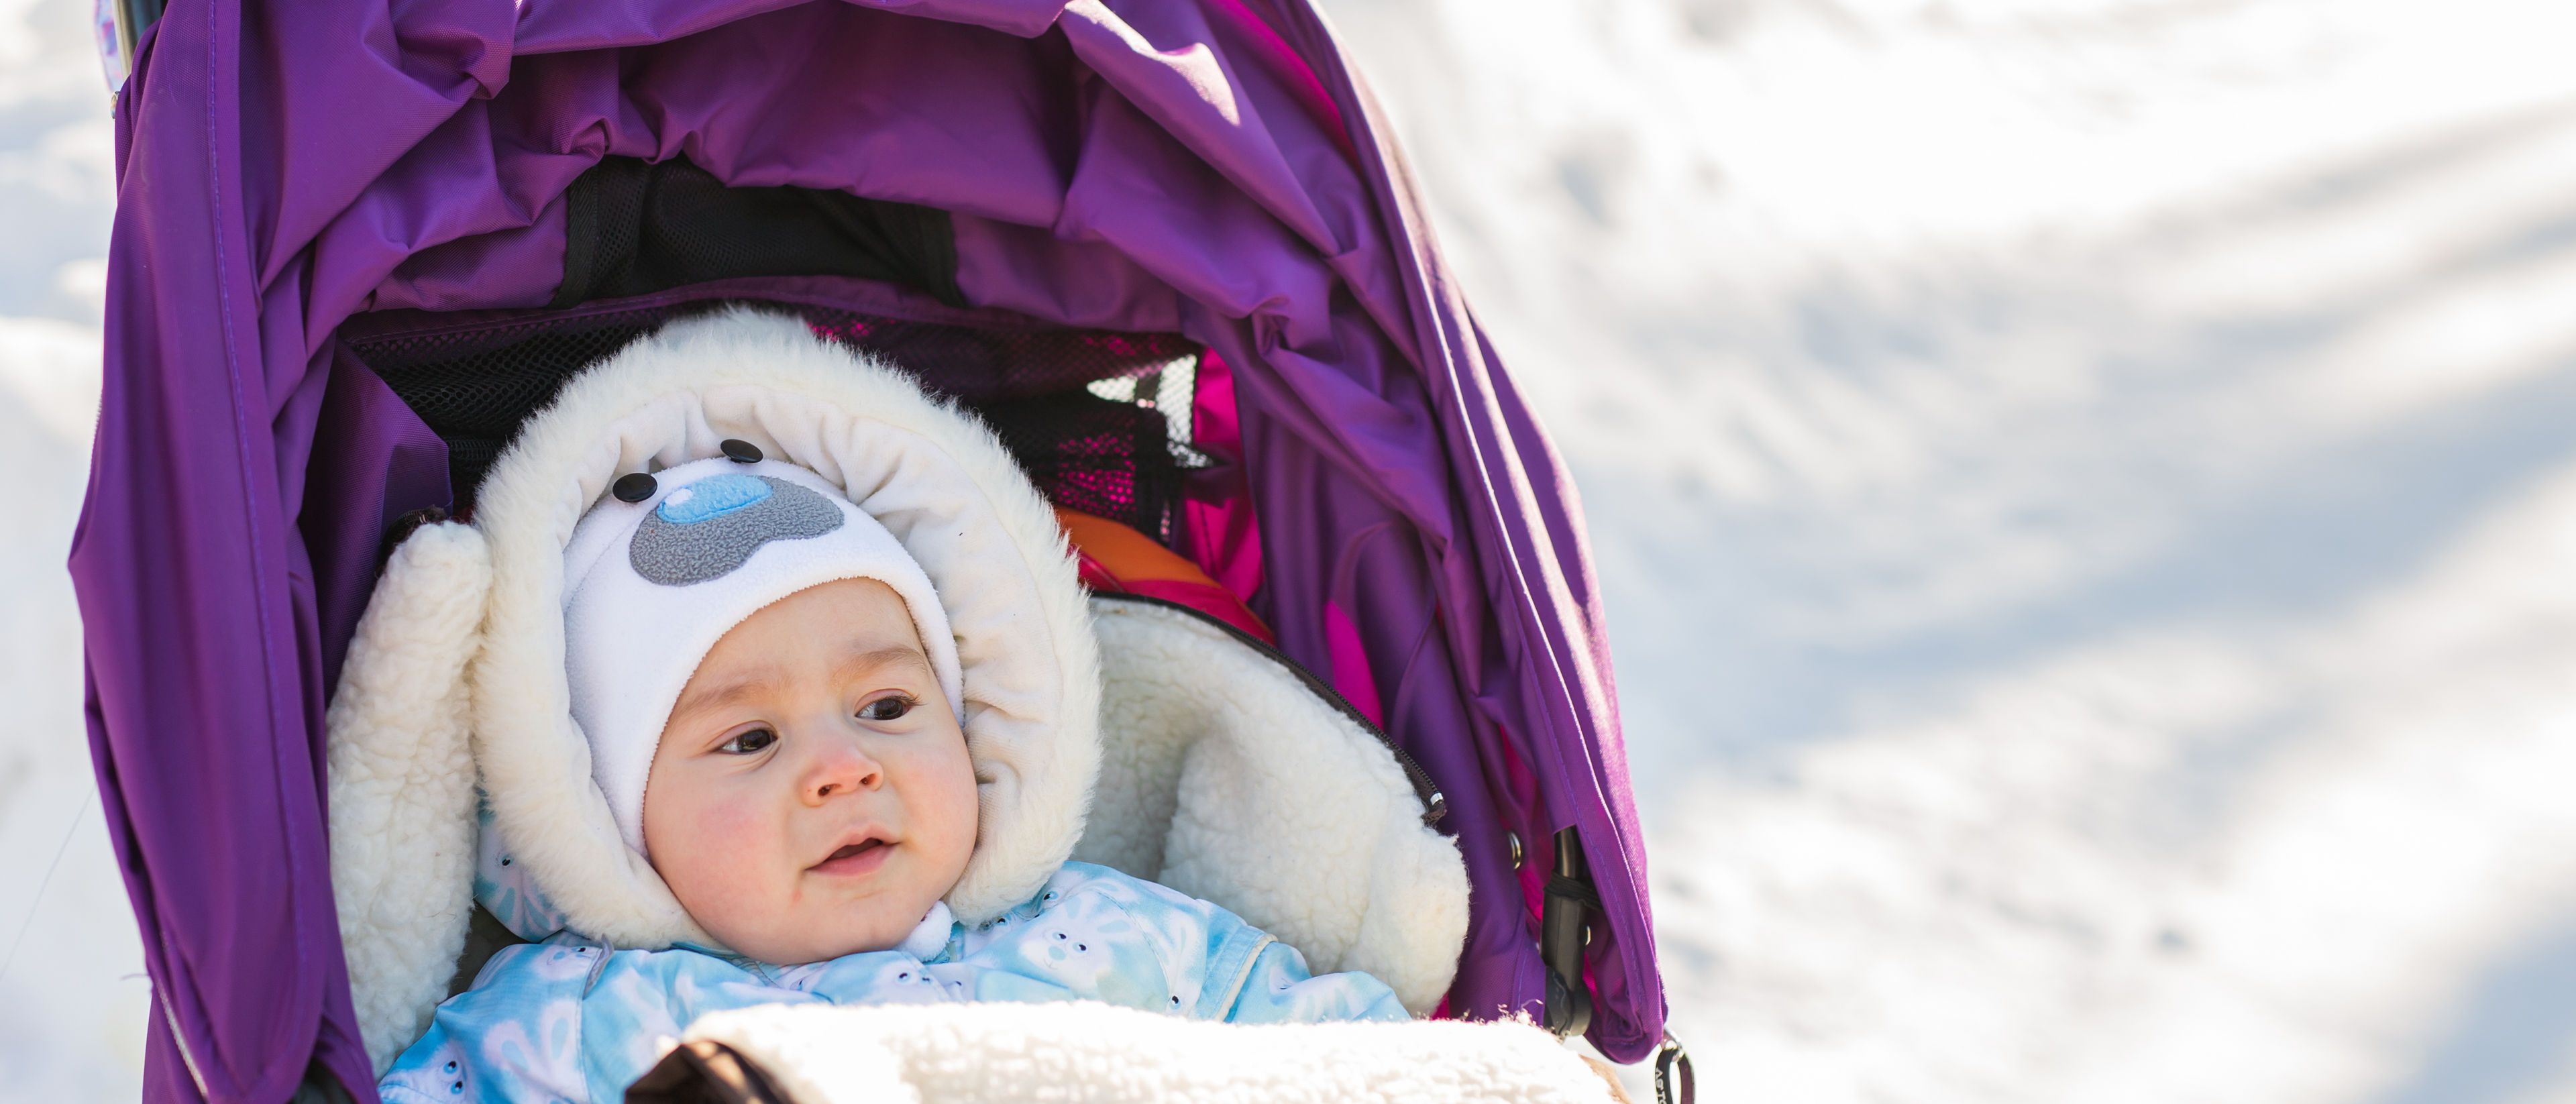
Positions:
{"x": 841, "y": 770}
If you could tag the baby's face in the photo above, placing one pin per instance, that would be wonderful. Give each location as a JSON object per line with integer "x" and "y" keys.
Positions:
{"x": 811, "y": 796}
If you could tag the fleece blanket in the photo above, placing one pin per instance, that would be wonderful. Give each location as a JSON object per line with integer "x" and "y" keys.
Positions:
{"x": 1084, "y": 1053}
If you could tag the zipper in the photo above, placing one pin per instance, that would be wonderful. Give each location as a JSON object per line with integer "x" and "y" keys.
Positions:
{"x": 179, "y": 1039}
{"x": 1434, "y": 805}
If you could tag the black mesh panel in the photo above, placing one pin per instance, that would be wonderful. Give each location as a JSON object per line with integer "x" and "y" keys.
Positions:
{"x": 634, "y": 227}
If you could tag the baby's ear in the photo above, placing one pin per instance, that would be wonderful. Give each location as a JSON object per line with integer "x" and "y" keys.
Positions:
{"x": 402, "y": 782}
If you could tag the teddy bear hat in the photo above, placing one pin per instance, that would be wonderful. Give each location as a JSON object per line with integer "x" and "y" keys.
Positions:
{"x": 651, "y": 584}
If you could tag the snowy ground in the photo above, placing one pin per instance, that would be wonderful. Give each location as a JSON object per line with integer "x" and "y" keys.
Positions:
{"x": 2081, "y": 485}
{"x": 2085, "y": 500}
{"x": 72, "y": 995}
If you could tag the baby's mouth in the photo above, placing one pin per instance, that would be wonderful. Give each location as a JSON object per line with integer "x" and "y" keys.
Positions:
{"x": 863, "y": 857}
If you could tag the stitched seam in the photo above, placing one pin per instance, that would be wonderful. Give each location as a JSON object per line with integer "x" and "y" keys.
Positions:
{"x": 1243, "y": 976}
{"x": 241, "y": 448}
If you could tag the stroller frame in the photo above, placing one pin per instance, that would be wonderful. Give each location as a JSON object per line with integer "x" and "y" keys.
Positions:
{"x": 294, "y": 183}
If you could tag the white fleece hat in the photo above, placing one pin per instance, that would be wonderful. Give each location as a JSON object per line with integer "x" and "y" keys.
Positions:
{"x": 651, "y": 585}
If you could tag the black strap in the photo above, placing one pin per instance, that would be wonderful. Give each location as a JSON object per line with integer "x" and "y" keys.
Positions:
{"x": 1577, "y": 890}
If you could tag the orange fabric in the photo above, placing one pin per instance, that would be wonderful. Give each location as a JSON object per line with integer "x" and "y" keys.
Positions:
{"x": 1120, "y": 560}
{"x": 1128, "y": 556}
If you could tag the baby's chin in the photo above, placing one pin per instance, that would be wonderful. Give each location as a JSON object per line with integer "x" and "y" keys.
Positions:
{"x": 785, "y": 948}
{"x": 820, "y": 935}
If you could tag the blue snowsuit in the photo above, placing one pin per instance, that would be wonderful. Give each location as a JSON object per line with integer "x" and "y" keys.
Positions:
{"x": 567, "y": 1020}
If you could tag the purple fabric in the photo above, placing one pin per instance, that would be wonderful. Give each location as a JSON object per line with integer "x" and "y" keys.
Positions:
{"x": 372, "y": 461}
{"x": 1152, "y": 165}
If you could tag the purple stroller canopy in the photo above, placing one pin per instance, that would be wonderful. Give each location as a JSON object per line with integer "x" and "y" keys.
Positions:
{"x": 1205, "y": 167}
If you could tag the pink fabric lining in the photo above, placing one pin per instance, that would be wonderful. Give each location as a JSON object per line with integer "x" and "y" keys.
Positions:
{"x": 1351, "y": 674}
{"x": 1224, "y": 536}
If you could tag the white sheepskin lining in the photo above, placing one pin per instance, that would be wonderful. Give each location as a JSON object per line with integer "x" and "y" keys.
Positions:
{"x": 402, "y": 784}
{"x": 1224, "y": 777}
{"x": 1083, "y": 1053}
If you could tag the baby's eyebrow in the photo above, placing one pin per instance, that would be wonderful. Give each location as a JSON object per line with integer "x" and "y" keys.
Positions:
{"x": 726, "y": 694}
{"x": 851, "y": 665}
{"x": 891, "y": 655}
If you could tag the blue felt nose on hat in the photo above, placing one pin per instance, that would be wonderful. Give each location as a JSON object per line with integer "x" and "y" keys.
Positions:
{"x": 712, "y": 497}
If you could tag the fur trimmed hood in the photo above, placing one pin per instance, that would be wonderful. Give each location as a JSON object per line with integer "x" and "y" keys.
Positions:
{"x": 936, "y": 478}
{"x": 1205, "y": 751}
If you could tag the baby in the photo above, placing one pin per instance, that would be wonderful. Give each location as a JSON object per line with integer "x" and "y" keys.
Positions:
{"x": 776, "y": 719}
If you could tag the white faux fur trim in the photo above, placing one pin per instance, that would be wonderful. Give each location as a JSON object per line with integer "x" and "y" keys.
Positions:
{"x": 1098, "y": 1054}
{"x": 1224, "y": 777}
{"x": 402, "y": 784}
{"x": 936, "y": 478}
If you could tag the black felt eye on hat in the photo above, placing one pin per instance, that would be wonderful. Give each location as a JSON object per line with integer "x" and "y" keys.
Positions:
{"x": 634, "y": 487}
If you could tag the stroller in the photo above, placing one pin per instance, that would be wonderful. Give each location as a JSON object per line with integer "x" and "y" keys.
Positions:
{"x": 1162, "y": 247}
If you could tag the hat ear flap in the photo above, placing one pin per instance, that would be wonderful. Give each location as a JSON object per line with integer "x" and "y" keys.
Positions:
{"x": 402, "y": 783}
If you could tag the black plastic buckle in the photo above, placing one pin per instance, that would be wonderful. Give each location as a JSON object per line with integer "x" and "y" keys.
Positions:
{"x": 1563, "y": 929}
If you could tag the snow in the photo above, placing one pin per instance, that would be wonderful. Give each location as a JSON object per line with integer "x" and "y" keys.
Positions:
{"x": 73, "y": 998}
{"x": 2083, "y": 501}
{"x": 2080, "y": 488}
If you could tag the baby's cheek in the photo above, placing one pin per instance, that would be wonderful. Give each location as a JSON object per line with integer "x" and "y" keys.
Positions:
{"x": 727, "y": 848}
{"x": 941, "y": 801}
{"x": 740, "y": 838}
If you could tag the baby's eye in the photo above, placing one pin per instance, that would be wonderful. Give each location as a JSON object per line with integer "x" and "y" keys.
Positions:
{"x": 747, "y": 743}
{"x": 891, "y": 707}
